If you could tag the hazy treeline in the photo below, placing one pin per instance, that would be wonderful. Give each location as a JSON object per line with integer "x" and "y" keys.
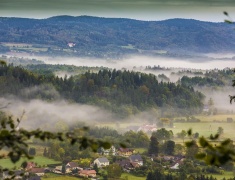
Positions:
{"x": 216, "y": 78}
{"x": 61, "y": 70}
{"x": 109, "y": 89}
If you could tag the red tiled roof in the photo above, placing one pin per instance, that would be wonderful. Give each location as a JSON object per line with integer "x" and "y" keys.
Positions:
{"x": 87, "y": 172}
{"x": 37, "y": 170}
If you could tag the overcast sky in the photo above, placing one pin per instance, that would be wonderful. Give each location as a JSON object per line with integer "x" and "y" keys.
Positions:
{"x": 207, "y": 10}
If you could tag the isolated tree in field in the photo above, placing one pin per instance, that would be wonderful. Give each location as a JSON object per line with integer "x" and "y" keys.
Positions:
{"x": 153, "y": 146}
{"x": 210, "y": 102}
{"x": 45, "y": 152}
{"x": 220, "y": 131}
{"x": 196, "y": 135}
{"x": 182, "y": 135}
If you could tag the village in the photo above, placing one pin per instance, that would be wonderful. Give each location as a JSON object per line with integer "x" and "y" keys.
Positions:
{"x": 128, "y": 161}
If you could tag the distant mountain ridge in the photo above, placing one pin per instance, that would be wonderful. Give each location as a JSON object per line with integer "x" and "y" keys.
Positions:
{"x": 99, "y": 36}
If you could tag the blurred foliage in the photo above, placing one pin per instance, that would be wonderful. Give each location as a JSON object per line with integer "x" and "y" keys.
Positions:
{"x": 213, "y": 154}
{"x": 14, "y": 139}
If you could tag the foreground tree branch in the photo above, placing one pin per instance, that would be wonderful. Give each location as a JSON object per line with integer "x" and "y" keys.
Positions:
{"x": 14, "y": 139}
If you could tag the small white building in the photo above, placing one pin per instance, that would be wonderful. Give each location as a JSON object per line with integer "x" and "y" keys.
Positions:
{"x": 70, "y": 44}
{"x": 101, "y": 162}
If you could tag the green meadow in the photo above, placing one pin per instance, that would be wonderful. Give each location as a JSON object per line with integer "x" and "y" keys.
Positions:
{"x": 39, "y": 160}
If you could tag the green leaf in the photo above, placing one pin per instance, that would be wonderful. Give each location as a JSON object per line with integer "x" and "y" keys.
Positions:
{"x": 226, "y": 142}
{"x": 203, "y": 142}
{"x": 189, "y": 132}
{"x": 4, "y": 133}
{"x": 225, "y": 13}
{"x": 189, "y": 143}
{"x": 228, "y": 21}
{"x": 200, "y": 156}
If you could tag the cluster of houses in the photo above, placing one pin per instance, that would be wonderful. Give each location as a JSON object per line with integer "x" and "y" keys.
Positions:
{"x": 129, "y": 161}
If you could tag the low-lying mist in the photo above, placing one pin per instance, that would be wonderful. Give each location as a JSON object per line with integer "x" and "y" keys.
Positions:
{"x": 61, "y": 115}
{"x": 220, "y": 97}
{"x": 48, "y": 115}
{"x": 143, "y": 61}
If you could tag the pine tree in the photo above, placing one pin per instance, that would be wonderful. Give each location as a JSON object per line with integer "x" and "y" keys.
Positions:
{"x": 45, "y": 152}
{"x": 63, "y": 170}
{"x": 153, "y": 146}
{"x": 96, "y": 168}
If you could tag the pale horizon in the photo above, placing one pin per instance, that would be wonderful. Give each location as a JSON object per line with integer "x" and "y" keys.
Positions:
{"x": 149, "y": 10}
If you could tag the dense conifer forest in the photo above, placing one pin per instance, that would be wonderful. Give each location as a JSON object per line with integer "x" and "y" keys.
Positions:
{"x": 122, "y": 92}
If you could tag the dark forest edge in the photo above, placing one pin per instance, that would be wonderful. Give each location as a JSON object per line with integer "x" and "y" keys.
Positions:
{"x": 106, "y": 88}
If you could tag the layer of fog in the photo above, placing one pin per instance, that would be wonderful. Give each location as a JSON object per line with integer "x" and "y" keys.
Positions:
{"x": 143, "y": 61}
{"x": 220, "y": 97}
{"x": 60, "y": 115}
{"x": 53, "y": 115}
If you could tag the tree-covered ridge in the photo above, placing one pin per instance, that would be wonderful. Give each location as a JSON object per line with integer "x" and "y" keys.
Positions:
{"x": 96, "y": 36}
{"x": 54, "y": 69}
{"x": 123, "y": 92}
{"x": 212, "y": 78}
{"x": 200, "y": 81}
{"x": 139, "y": 89}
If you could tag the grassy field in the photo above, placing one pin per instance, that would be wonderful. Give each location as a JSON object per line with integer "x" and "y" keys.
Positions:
{"x": 225, "y": 175}
{"x": 39, "y": 148}
{"x": 219, "y": 117}
{"x": 52, "y": 176}
{"x": 128, "y": 176}
{"x": 40, "y": 160}
{"x": 140, "y": 150}
{"x": 24, "y": 46}
{"x": 20, "y": 45}
{"x": 206, "y": 128}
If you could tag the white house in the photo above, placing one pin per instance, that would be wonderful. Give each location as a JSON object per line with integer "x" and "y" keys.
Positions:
{"x": 136, "y": 158}
{"x": 101, "y": 162}
{"x": 176, "y": 166}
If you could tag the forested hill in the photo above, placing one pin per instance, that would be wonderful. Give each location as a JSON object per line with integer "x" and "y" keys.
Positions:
{"x": 115, "y": 36}
{"x": 122, "y": 92}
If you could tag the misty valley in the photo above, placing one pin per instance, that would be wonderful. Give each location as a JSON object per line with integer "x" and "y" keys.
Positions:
{"x": 116, "y": 100}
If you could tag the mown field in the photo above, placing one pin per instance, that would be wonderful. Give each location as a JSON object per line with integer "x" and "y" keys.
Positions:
{"x": 39, "y": 160}
{"x": 52, "y": 176}
{"x": 206, "y": 128}
{"x": 128, "y": 176}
